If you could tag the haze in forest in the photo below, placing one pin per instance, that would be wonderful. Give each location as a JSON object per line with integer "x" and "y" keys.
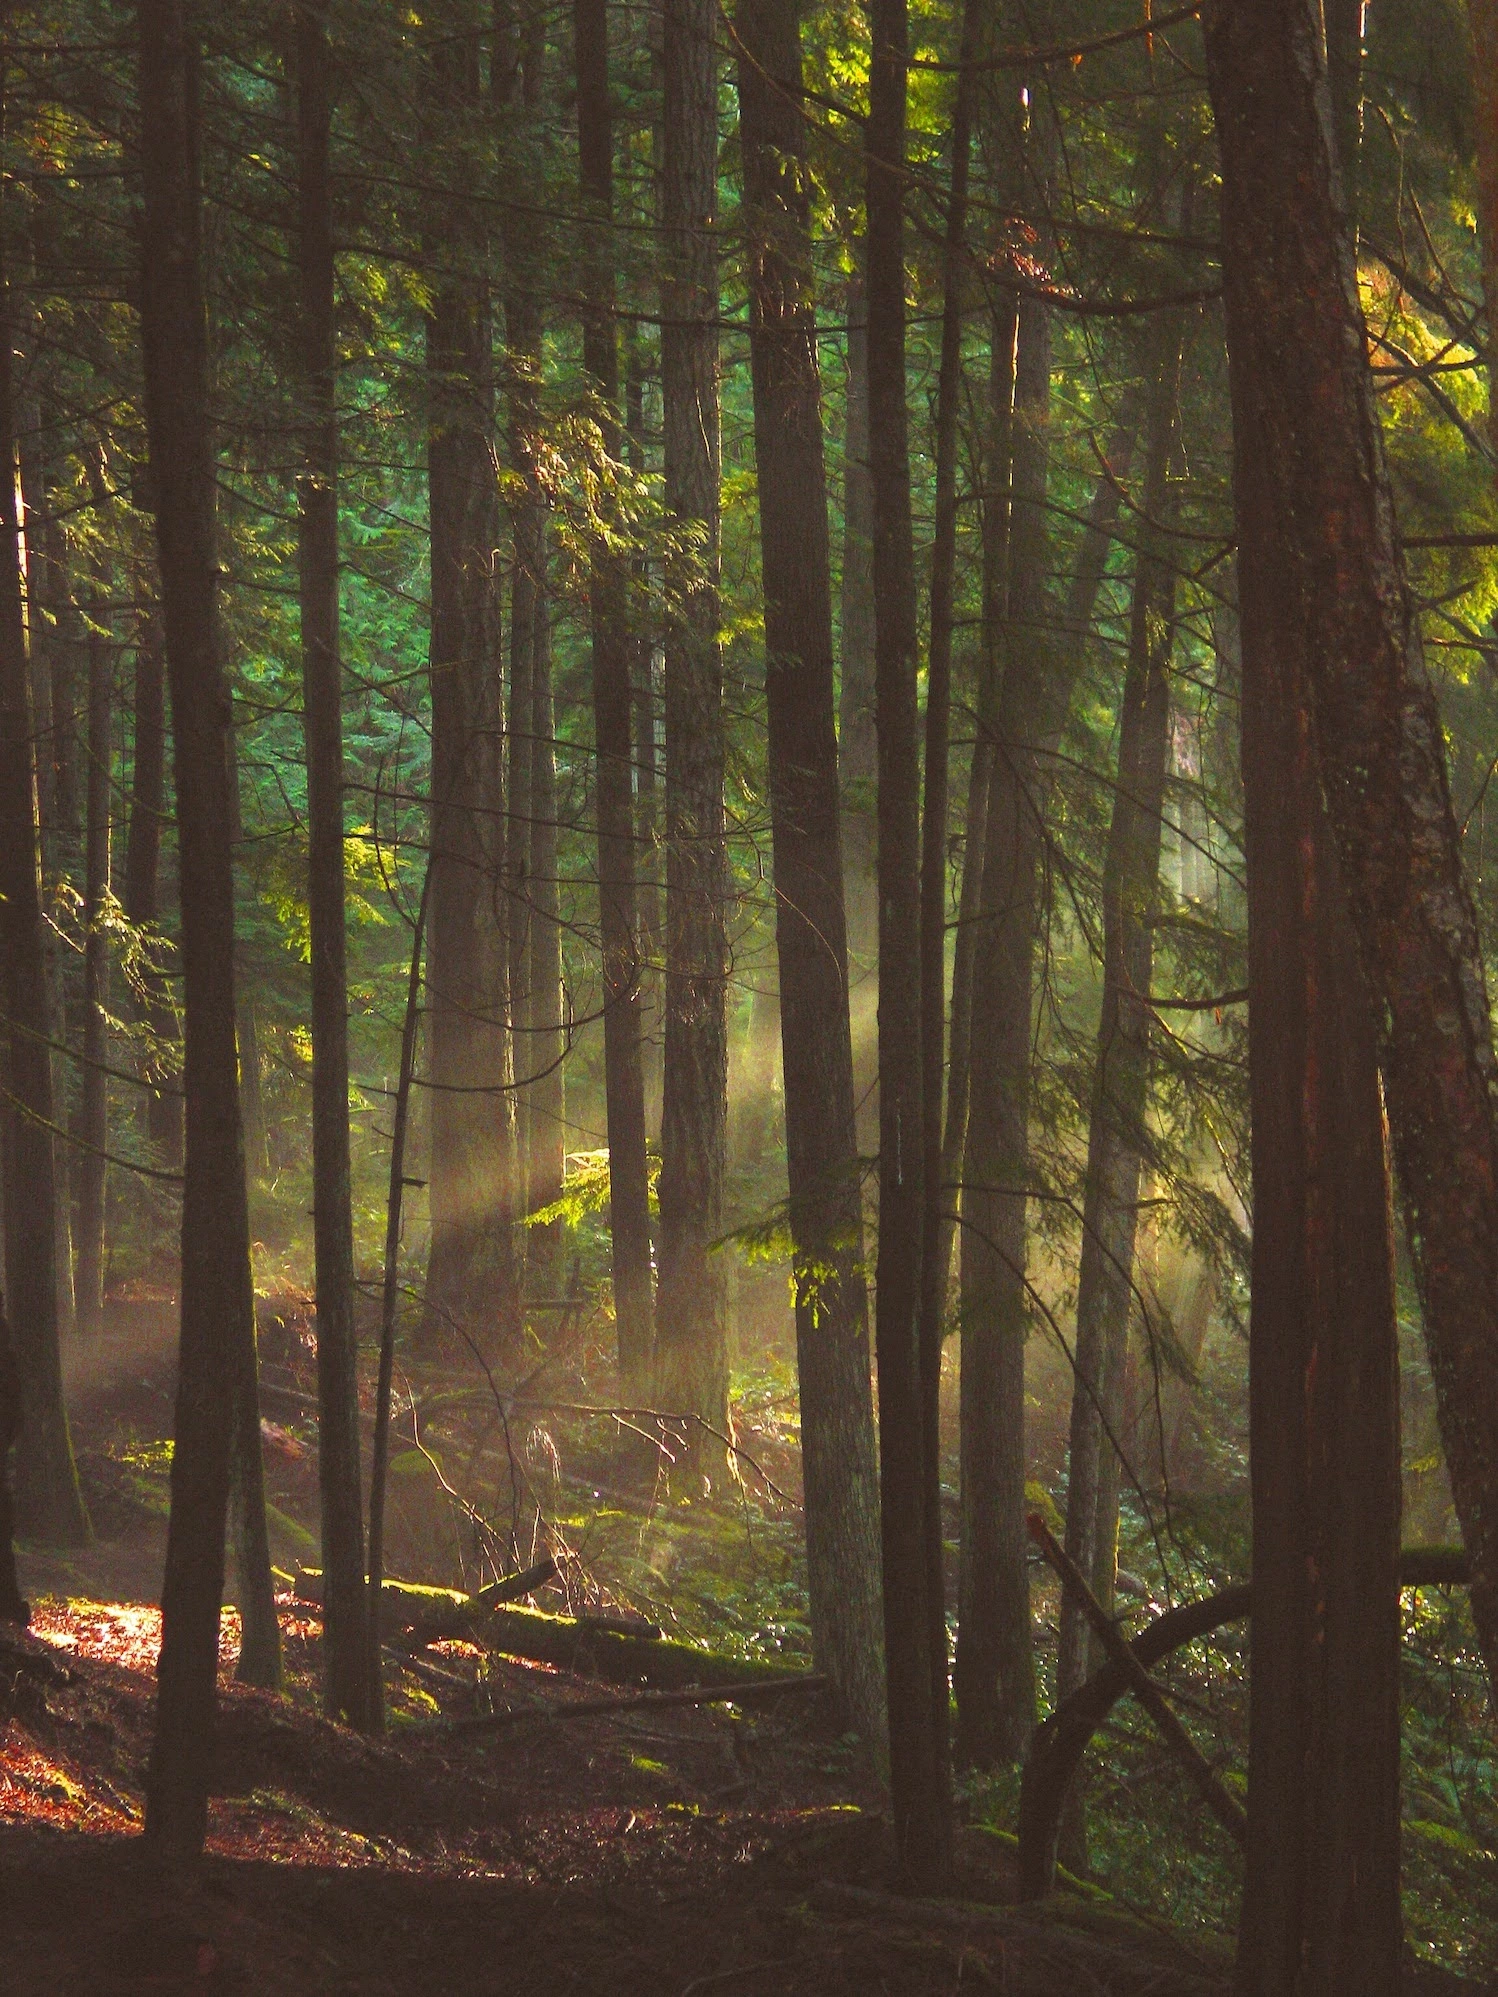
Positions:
{"x": 750, "y": 1129}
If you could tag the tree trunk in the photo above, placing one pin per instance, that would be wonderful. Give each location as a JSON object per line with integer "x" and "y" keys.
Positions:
{"x": 143, "y": 869}
{"x": 857, "y": 745}
{"x": 93, "y": 1122}
{"x": 995, "y": 1673}
{"x": 1116, "y": 1143}
{"x": 1321, "y": 1907}
{"x": 998, "y": 457}
{"x": 548, "y": 1106}
{"x": 909, "y": 1477}
{"x": 644, "y": 651}
{"x": 832, "y": 1340}
{"x": 346, "y": 1691}
{"x": 629, "y": 1178}
{"x": 933, "y": 887}
{"x": 691, "y": 1349}
{"x": 472, "y": 1277}
{"x": 1303, "y": 394}
{"x": 217, "y": 1296}
{"x": 48, "y": 1501}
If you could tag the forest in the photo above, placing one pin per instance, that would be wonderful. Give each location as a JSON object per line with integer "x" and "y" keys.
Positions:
{"x": 748, "y": 1099}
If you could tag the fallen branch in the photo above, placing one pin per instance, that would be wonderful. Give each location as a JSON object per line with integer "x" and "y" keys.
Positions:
{"x": 433, "y": 1615}
{"x": 1227, "y": 1812}
{"x": 1058, "y": 1746}
{"x": 697, "y": 1695}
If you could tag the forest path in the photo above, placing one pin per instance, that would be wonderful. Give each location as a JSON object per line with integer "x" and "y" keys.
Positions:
{"x": 670, "y": 1851}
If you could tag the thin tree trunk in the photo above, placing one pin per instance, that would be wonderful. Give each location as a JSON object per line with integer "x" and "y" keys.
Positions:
{"x": 346, "y": 1690}
{"x": 629, "y": 1179}
{"x": 1116, "y": 1144}
{"x": 933, "y": 963}
{"x": 93, "y": 1121}
{"x": 39, "y": 599}
{"x": 691, "y": 1347}
{"x": 1304, "y": 397}
{"x": 643, "y": 651}
{"x": 217, "y": 1296}
{"x": 472, "y": 1274}
{"x": 1092, "y": 557}
{"x": 142, "y": 897}
{"x": 548, "y": 1108}
{"x": 857, "y": 744}
{"x": 909, "y": 1477}
{"x": 246, "y": 1026}
{"x": 49, "y": 1504}
{"x": 995, "y": 1676}
{"x": 389, "y": 1310}
{"x": 832, "y": 1340}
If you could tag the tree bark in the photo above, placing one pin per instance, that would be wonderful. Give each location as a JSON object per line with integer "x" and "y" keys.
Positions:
{"x": 832, "y": 1340}
{"x": 933, "y": 886}
{"x": 691, "y": 1348}
{"x": 93, "y": 1121}
{"x": 472, "y": 1276}
{"x": 909, "y": 1477}
{"x": 1116, "y": 1139}
{"x": 548, "y": 1106}
{"x": 1321, "y": 1908}
{"x": 1303, "y": 394}
{"x": 346, "y": 1691}
{"x": 143, "y": 869}
{"x": 217, "y": 1296}
{"x": 995, "y": 1673}
{"x": 49, "y": 1503}
{"x": 624, "y": 1087}
{"x": 857, "y": 745}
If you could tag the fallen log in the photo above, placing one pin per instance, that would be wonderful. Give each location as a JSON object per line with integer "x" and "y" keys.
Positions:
{"x": 433, "y": 1615}
{"x": 589, "y": 1646}
{"x": 697, "y": 1695}
{"x": 1059, "y": 1744}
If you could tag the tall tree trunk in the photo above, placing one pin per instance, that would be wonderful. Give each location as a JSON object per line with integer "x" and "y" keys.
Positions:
{"x": 998, "y": 469}
{"x": 857, "y": 744}
{"x": 93, "y": 1121}
{"x": 548, "y": 1107}
{"x": 49, "y": 1503}
{"x": 217, "y": 1296}
{"x": 1321, "y": 1908}
{"x": 643, "y": 653}
{"x": 933, "y": 889}
{"x": 1116, "y": 1145}
{"x": 691, "y": 1348}
{"x": 995, "y": 1676}
{"x": 246, "y": 1026}
{"x": 345, "y": 1652}
{"x": 518, "y": 62}
{"x": 39, "y": 601}
{"x": 832, "y": 1340}
{"x": 142, "y": 897}
{"x": 1303, "y": 396}
{"x": 909, "y": 1475}
{"x": 629, "y": 1178}
{"x": 472, "y": 1275}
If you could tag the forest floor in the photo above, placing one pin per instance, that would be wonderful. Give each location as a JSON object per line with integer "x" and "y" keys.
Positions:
{"x": 674, "y": 1849}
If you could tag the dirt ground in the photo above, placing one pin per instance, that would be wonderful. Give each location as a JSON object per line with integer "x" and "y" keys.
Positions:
{"x": 657, "y": 1849}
